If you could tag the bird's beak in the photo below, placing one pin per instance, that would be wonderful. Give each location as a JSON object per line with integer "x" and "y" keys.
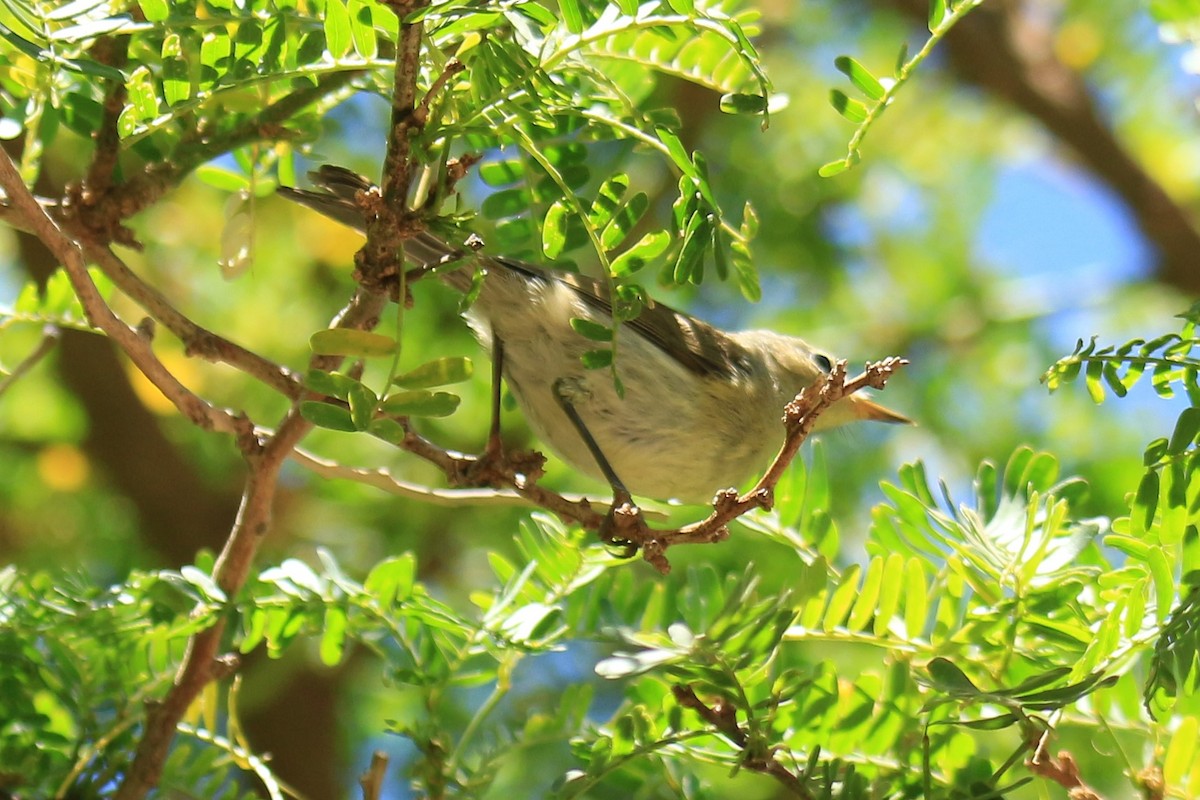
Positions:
{"x": 863, "y": 408}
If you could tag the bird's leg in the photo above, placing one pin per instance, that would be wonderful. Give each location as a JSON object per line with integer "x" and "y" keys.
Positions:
{"x": 494, "y": 465}
{"x": 494, "y": 446}
{"x": 623, "y": 525}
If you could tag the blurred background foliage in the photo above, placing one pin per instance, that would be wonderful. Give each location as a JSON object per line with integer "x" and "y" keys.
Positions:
{"x": 1035, "y": 183}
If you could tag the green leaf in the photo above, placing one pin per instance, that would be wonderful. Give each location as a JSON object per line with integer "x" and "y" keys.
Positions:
{"x": 362, "y": 28}
{"x": 389, "y": 430}
{"x": 327, "y": 415}
{"x": 937, "y": 13}
{"x": 834, "y": 168}
{"x": 735, "y": 103}
{"x": 623, "y": 222}
{"x": 391, "y": 581}
{"x": 502, "y": 173}
{"x": 177, "y": 85}
{"x": 333, "y": 636}
{"x": 592, "y": 330}
{"x": 1036, "y": 682}
{"x": 901, "y": 59}
{"x": 363, "y": 402}
{"x": 142, "y": 99}
{"x": 554, "y": 229}
{"x": 505, "y": 203}
{"x": 868, "y": 595}
{"x": 438, "y": 372}
{"x": 842, "y": 599}
{"x": 154, "y": 10}
{"x": 948, "y": 677}
{"x": 349, "y": 342}
{"x": 747, "y": 274}
{"x": 1112, "y": 377}
{"x": 1092, "y": 378}
{"x": 1145, "y": 502}
{"x": 222, "y": 178}
{"x": 572, "y": 15}
{"x": 892, "y": 584}
{"x": 92, "y": 29}
{"x": 1186, "y": 428}
{"x": 848, "y": 107}
{"x": 987, "y": 723}
{"x": 608, "y": 200}
{"x": 333, "y": 384}
{"x": 1180, "y": 759}
{"x": 916, "y": 600}
{"x": 338, "y": 38}
{"x": 1161, "y": 379}
{"x": 420, "y": 404}
{"x": 677, "y": 152}
{"x": 651, "y": 246}
{"x": 860, "y": 76}
{"x": 597, "y": 359}
{"x": 1155, "y": 452}
{"x": 689, "y": 266}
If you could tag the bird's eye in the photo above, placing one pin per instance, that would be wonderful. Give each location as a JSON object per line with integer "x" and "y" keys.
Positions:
{"x": 823, "y": 363}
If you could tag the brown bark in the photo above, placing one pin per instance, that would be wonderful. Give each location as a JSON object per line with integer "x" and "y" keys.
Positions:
{"x": 178, "y": 513}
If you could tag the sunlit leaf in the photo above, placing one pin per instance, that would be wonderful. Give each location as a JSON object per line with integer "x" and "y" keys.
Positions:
{"x": 350, "y": 342}
{"x": 327, "y": 415}
{"x": 848, "y": 107}
{"x": 592, "y": 330}
{"x": 420, "y": 404}
{"x": 438, "y": 372}
{"x": 860, "y": 76}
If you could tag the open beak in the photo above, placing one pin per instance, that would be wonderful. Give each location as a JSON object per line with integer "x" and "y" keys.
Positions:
{"x": 865, "y": 409}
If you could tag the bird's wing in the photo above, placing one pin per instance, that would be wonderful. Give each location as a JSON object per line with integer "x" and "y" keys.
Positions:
{"x": 694, "y": 344}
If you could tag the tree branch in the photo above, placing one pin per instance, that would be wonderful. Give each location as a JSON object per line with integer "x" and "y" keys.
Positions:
{"x": 723, "y": 717}
{"x": 50, "y": 337}
{"x": 101, "y": 209}
{"x": 800, "y": 416}
{"x": 197, "y": 340}
{"x": 201, "y": 663}
{"x": 112, "y": 51}
{"x": 385, "y": 481}
{"x": 100, "y": 316}
{"x": 371, "y": 781}
{"x": 1065, "y": 772}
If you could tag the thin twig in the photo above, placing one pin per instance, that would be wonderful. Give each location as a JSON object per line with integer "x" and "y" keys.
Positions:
{"x": 50, "y": 336}
{"x": 723, "y": 717}
{"x": 101, "y": 212}
{"x": 112, "y": 51}
{"x": 452, "y": 68}
{"x": 800, "y": 417}
{"x": 100, "y": 316}
{"x": 398, "y": 167}
{"x": 372, "y": 780}
{"x": 518, "y": 474}
{"x": 201, "y": 663}
{"x": 1064, "y": 771}
{"x": 507, "y": 474}
{"x": 384, "y": 480}
{"x": 379, "y": 263}
{"x": 197, "y": 340}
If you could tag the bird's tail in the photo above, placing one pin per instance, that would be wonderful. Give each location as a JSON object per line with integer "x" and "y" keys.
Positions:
{"x": 337, "y": 199}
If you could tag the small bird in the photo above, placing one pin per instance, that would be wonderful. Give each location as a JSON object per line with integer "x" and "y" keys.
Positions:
{"x": 701, "y": 409}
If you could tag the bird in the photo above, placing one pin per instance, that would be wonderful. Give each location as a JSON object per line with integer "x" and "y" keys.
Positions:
{"x": 697, "y": 409}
